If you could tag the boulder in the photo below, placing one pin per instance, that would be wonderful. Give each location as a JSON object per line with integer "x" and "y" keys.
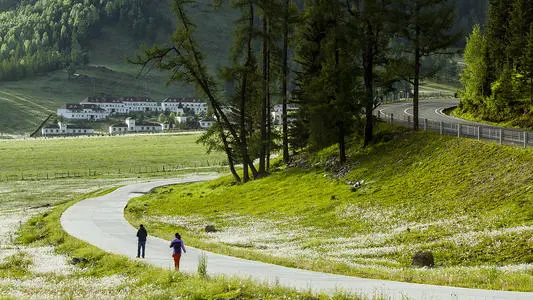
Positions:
{"x": 210, "y": 228}
{"x": 79, "y": 260}
{"x": 423, "y": 259}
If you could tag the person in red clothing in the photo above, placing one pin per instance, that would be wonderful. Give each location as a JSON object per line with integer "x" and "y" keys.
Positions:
{"x": 177, "y": 246}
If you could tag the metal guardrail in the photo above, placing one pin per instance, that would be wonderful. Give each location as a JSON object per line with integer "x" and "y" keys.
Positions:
{"x": 479, "y": 132}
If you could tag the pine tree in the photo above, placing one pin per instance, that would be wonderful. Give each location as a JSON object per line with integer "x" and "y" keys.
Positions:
{"x": 474, "y": 76}
{"x": 328, "y": 76}
{"x": 370, "y": 21}
{"x": 425, "y": 27}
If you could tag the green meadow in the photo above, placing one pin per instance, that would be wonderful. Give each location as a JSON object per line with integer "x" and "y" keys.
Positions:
{"x": 113, "y": 156}
{"x": 470, "y": 203}
{"x": 36, "y": 254}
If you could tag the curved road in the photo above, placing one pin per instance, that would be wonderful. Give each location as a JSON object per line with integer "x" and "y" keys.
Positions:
{"x": 427, "y": 109}
{"x": 100, "y": 221}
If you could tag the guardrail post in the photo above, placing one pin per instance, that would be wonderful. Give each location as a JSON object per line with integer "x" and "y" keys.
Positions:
{"x": 478, "y": 133}
{"x": 501, "y": 136}
{"x": 391, "y": 118}
{"x": 441, "y": 127}
{"x": 379, "y": 114}
{"x": 525, "y": 139}
{"x": 408, "y": 119}
{"x": 425, "y": 124}
{"x": 458, "y": 130}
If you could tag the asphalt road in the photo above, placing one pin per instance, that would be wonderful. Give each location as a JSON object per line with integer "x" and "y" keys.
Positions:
{"x": 100, "y": 221}
{"x": 427, "y": 109}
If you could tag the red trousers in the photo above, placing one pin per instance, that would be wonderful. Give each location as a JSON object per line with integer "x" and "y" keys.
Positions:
{"x": 177, "y": 258}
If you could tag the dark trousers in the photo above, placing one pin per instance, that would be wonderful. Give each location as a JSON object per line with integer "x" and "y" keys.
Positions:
{"x": 141, "y": 245}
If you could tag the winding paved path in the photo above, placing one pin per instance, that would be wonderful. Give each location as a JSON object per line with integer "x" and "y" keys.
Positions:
{"x": 100, "y": 221}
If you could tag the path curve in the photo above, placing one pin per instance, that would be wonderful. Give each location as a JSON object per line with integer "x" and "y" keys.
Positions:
{"x": 100, "y": 222}
{"x": 428, "y": 109}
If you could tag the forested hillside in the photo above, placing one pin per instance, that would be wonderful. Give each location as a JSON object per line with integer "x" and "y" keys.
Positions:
{"x": 43, "y": 35}
{"x": 498, "y": 79}
{"x": 37, "y": 36}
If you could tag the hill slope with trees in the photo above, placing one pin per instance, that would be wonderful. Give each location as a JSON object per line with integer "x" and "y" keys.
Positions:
{"x": 498, "y": 78}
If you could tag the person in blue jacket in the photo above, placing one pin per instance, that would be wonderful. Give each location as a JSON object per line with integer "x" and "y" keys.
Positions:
{"x": 141, "y": 241}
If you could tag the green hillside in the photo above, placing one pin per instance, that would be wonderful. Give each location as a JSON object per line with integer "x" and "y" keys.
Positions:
{"x": 27, "y": 102}
{"x": 468, "y": 202}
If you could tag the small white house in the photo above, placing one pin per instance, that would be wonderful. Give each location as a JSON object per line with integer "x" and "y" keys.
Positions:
{"x": 207, "y": 123}
{"x": 62, "y": 129}
{"x": 131, "y": 126}
{"x": 89, "y": 112}
{"x": 277, "y": 113}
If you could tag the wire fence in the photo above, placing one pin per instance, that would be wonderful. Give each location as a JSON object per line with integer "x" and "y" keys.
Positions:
{"x": 119, "y": 172}
{"x": 473, "y": 131}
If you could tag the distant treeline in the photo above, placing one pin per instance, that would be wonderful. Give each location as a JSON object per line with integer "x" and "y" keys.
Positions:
{"x": 498, "y": 77}
{"x": 43, "y": 35}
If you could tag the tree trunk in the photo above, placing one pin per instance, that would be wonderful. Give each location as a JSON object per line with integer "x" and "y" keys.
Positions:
{"x": 340, "y": 114}
{"x": 416, "y": 89}
{"x": 269, "y": 104}
{"x": 229, "y": 154}
{"x": 368, "y": 64}
{"x": 264, "y": 100}
{"x": 417, "y": 72}
{"x": 244, "y": 94}
{"x": 285, "y": 71}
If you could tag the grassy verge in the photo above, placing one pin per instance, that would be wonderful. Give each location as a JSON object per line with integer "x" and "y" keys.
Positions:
{"x": 118, "y": 277}
{"x": 468, "y": 202}
{"x": 470, "y": 117}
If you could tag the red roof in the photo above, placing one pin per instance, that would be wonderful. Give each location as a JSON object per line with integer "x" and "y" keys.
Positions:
{"x": 136, "y": 99}
{"x": 101, "y": 100}
{"x": 180, "y": 100}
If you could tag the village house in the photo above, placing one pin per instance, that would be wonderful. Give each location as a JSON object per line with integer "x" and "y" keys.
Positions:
{"x": 173, "y": 104}
{"x": 130, "y": 126}
{"x": 140, "y": 104}
{"x": 277, "y": 113}
{"x": 65, "y": 130}
{"x": 207, "y": 123}
{"x": 112, "y": 105}
{"x": 89, "y": 112}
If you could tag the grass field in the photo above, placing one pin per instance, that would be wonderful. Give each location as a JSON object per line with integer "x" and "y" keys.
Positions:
{"x": 468, "y": 202}
{"x": 36, "y": 254}
{"x": 38, "y": 271}
{"x": 116, "y": 156}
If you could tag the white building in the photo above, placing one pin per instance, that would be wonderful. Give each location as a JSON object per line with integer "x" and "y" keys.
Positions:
{"x": 195, "y": 105}
{"x": 207, "y": 123}
{"x": 64, "y": 129}
{"x": 277, "y": 113}
{"x": 90, "y": 112}
{"x": 111, "y": 104}
{"x": 141, "y": 104}
{"x": 131, "y": 126}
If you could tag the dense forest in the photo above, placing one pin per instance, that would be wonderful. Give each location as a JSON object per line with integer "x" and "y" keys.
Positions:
{"x": 37, "y": 36}
{"x": 498, "y": 78}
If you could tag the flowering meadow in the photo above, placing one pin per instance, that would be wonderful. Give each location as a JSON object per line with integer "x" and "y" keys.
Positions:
{"x": 36, "y": 255}
{"x": 468, "y": 202}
